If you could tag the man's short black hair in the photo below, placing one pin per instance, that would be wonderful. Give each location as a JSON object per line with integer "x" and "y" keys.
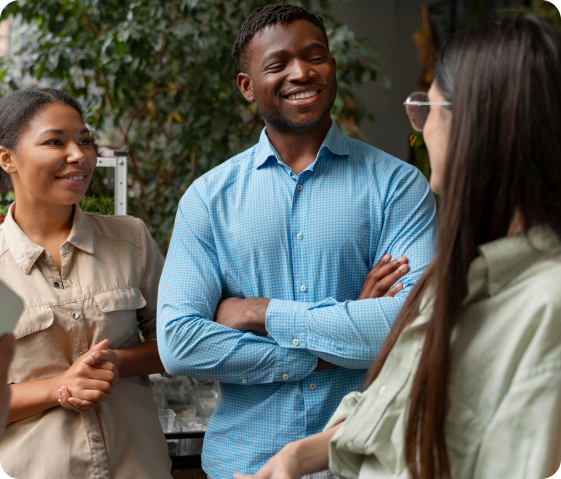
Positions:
{"x": 270, "y": 15}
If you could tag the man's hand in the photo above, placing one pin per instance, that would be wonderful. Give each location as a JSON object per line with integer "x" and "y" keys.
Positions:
{"x": 243, "y": 314}
{"x": 250, "y": 314}
{"x": 382, "y": 276}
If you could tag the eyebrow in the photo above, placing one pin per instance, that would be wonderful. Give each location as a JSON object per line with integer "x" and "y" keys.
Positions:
{"x": 60, "y": 132}
{"x": 278, "y": 53}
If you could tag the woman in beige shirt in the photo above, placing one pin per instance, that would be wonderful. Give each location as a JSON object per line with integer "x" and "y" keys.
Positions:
{"x": 88, "y": 283}
{"x": 468, "y": 383}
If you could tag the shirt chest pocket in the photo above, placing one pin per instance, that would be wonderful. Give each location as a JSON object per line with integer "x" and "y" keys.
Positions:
{"x": 34, "y": 332}
{"x": 116, "y": 312}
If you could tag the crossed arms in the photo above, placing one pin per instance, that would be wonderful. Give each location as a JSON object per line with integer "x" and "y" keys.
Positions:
{"x": 228, "y": 343}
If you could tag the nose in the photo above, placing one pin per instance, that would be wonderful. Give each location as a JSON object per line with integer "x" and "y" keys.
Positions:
{"x": 301, "y": 71}
{"x": 75, "y": 154}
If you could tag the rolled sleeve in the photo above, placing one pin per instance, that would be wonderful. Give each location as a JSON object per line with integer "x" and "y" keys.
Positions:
{"x": 344, "y": 410}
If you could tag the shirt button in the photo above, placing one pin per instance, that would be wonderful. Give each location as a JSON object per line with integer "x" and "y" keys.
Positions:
{"x": 351, "y": 446}
{"x": 299, "y": 236}
{"x": 56, "y": 285}
{"x": 312, "y": 386}
{"x": 295, "y": 342}
{"x": 303, "y": 288}
{"x": 70, "y": 281}
{"x": 299, "y": 187}
{"x": 285, "y": 376}
{"x": 96, "y": 438}
{"x": 65, "y": 247}
{"x": 383, "y": 391}
{"x": 76, "y": 315}
{"x": 244, "y": 381}
{"x": 353, "y": 402}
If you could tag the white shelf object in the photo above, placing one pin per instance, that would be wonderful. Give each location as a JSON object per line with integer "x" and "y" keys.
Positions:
{"x": 121, "y": 171}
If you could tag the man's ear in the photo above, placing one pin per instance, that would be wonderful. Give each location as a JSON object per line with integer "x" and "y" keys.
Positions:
{"x": 245, "y": 84}
{"x": 6, "y": 161}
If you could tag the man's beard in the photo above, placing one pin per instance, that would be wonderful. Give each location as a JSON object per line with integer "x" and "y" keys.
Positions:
{"x": 284, "y": 124}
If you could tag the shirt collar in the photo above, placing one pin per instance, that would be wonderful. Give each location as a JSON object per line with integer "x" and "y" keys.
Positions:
{"x": 503, "y": 260}
{"x": 334, "y": 141}
{"x": 25, "y": 252}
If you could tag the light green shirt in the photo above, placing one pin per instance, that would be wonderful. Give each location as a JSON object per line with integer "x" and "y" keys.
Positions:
{"x": 504, "y": 408}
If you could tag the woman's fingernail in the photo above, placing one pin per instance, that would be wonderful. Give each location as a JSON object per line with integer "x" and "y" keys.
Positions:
{"x": 89, "y": 360}
{"x": 403, "y": 268}
{"x": 387, "y": 257}
{"x": 63, "y": 390}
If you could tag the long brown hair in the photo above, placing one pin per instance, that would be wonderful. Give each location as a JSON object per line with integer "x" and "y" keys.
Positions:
{"x": 503, "y": 159}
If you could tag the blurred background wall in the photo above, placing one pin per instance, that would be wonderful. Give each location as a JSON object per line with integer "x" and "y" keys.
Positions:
{"x": 390, "y": 24}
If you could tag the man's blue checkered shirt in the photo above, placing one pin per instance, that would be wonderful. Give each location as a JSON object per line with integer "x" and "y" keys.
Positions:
{"x": 252, "y": 228}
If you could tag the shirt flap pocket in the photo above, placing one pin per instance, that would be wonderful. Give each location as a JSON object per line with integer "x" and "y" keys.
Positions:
{"x": 120, "y": 300}
{"x": 33, "y": 320}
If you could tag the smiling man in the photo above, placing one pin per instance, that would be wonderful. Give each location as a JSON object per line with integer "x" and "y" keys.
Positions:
{"x": 278, "y": 281}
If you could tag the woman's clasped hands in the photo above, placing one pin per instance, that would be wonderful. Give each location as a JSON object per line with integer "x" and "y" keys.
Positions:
{"x": 90, "y": 379}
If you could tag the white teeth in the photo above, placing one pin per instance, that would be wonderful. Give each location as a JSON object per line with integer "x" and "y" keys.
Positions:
{"x": 76, "y": 178}
{"x": 303, "y": 96}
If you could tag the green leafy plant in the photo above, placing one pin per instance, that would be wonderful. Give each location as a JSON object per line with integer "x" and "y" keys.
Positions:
{"x": 157, "y": 79}
{"x": 4, "y": 210}
{"x": 101, "y": 205}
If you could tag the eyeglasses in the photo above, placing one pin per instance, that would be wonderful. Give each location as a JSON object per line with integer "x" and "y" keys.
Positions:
{"x": 418, "y": 106}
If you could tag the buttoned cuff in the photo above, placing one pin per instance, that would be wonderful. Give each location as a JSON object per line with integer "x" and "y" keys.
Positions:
{"x": 285, "y": 321}
{"x": 293, "y": 365}
{"x": 346, "y": 407}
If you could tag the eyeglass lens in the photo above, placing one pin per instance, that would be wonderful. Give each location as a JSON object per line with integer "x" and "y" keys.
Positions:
{"x": 418, "y": 114}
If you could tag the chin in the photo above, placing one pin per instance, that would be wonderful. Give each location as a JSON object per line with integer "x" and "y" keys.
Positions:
{"x": 435, "y": 185}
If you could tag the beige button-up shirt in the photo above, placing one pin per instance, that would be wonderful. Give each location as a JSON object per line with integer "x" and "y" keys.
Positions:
{"x": 504, "y": 409}
{"x": 108, "y": 289}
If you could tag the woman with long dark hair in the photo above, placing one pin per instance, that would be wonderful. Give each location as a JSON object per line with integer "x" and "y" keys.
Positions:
{"x": 81, "y": 403}
{"x": 468, "y": 383}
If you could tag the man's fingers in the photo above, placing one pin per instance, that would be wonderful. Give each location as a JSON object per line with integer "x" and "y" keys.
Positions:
{"x": 382, "y": 287}
{"x": 372, "y": 277}
{"x": 394, "y": 290}
{"x": 379, "y": 282}
{"x": 383, "y": 261}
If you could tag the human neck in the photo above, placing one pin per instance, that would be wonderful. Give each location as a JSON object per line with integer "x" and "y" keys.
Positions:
{"x": 43, "y": 222}
{"x": 298, "y": 149}
{"x": 516, "y": 224}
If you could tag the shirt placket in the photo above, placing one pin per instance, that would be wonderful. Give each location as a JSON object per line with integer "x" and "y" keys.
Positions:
{"x": 298, "y": 237}
{"x": 68, "y": 290}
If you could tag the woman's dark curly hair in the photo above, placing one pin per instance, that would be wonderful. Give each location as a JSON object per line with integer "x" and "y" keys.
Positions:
{"x": 17, "y": 111}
